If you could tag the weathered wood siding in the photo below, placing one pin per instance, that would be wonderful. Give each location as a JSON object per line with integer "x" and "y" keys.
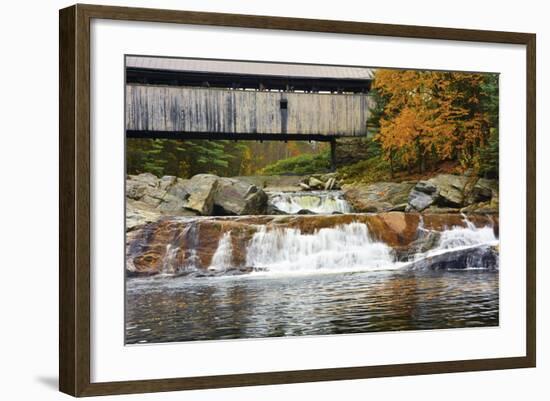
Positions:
{"x": 204, "y": 110}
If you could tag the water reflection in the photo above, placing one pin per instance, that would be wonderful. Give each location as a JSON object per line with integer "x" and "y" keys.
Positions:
{"x": 166, "y": 309}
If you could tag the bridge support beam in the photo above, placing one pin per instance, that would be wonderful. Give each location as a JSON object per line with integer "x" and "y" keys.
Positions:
{"x": 225, "y": 136}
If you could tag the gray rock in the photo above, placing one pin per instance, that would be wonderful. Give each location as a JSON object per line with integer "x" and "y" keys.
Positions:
{"x": 483, "y": 191}
{"x": 420, "y": 200}
{"x": 425, "y": 187}
{"x": 235, "y": 197}
{"x": 315, "y": 183}
{"x": 482, "y": 256}
{"x": 450, "y": 189}
{"x": 166, "y": 182}
{"x": 377, "y": 197}
{"x": 201, "y": 189}
{"x": 138, "y": 214}
{"x": 425, "y": 242}
{"x": 179, "y": 189}
{"x": 167, "y": 195}
{"x": 137, "y": 186}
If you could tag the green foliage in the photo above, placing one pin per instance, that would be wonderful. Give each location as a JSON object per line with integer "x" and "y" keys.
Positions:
{"x": 182, "y": 158}
{"x": 488, "y": 157}
{"x": 302, "y": 164}
{"x": 489, "y": 99}
{"x": 374, "y": 149}
{"x": 185, "y": 158}
{"x": 366, "y": 171}
{"x": 488, "y": 152}
{"x": 376, "y": 109}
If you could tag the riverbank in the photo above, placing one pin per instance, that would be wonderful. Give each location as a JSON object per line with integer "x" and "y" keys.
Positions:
{"x": 149, "y": 197}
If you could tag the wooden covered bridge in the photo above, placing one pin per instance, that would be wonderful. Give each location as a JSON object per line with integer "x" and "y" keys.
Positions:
{"x": 215, "y": 99}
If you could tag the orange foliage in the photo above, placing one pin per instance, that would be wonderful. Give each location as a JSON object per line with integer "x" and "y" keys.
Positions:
{"x": 431, "y": 116}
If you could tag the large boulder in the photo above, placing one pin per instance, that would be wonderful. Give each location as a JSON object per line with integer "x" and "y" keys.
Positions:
{"x": 426, "y": 187}
{"x": 481, "y": 256}
{"x": 420, "y": 200}
{"x": 166, "y": 195}
{"x": 484, "y": 190}
{"x": 171, "y": 195}
{"x": 450, "y": 189}
{"x": 447, "y": 193}
{"x": 145, "y": 188}
{"x": 423, "y": 195}
{"x": 378, "y": 197}
{"x": 137, "y": 186}
{"x": 202, "y": 194}
{"x": 201, "y": 189}
{"x": 236, "y": 197}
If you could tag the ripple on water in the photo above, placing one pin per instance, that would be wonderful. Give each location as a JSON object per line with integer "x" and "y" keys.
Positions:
{"x": 183, "y": 309}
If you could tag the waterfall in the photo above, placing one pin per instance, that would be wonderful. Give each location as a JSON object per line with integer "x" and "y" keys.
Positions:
{"x": 344, "y": 247}
{"x": 459, "y": 237}
{"x": 171, "y": 262}
{"x": 287, "y": 244}
{"x": 470, "y": 247}
{"x": 223, "y": 257}
{"x": 320, "y": 202}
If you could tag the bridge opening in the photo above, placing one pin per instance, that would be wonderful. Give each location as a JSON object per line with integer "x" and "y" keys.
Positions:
{"x": 185, "y": 158}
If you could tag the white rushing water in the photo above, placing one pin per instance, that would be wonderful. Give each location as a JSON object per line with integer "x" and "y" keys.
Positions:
{"x": 223, "y": 257}
{"x": 470, "y": 235}
{"x": 320, "y": 202}
{"x": 345, "y": 247}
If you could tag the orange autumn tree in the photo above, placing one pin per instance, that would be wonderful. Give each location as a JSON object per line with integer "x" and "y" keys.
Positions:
{"x": 430, "y": 116}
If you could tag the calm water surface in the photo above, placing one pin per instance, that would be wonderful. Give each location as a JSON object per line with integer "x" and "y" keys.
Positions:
{"x": 165, "y": 309}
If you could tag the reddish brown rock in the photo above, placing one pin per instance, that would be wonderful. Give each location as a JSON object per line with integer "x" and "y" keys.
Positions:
{"x": 172, "y": 244}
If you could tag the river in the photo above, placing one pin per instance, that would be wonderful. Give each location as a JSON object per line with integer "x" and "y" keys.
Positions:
{"x": 165, "y": 309}
{"x": 332, "y": 280}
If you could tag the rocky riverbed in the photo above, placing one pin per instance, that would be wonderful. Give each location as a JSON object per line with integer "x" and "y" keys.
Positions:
{"x": 209, "y": 225}
{"x": 221, "y": 245}
{"x": 149, "y": 197}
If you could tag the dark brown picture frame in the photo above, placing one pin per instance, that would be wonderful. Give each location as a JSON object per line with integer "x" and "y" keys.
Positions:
{"x": 74, "y": 203}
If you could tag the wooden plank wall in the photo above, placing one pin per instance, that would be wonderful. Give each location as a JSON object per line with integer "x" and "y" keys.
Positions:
{"x": 214, "y": 110}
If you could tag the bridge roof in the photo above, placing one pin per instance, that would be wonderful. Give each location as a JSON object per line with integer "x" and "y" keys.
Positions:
{"x": 250, "y": 68}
